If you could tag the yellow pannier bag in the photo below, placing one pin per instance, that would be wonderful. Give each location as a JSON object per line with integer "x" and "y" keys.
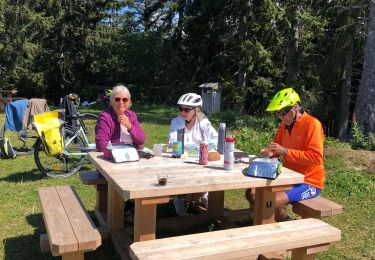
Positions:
{"x": 48, "y": 126}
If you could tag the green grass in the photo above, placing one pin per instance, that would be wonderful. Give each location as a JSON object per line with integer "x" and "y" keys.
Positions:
{"x": 21, "y": 221}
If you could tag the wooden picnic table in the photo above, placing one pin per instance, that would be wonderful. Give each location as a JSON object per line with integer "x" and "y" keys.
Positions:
{"x": 9, "y": 96}
{"x": 138, "y": 181}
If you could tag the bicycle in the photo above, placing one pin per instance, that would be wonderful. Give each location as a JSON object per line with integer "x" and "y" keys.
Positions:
{"x": 17, "y": 126}
{"x": 78, "y": 139}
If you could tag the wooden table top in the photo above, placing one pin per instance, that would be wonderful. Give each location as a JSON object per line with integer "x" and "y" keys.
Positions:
{"x": 10, "y": 91}
{"x": 135, "y": 180}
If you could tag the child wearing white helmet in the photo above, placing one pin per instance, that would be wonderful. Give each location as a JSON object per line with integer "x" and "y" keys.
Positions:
{"x": 196, "y": 129}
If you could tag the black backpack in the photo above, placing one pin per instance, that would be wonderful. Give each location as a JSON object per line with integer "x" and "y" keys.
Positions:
{"x": 6, "y": 149}
{"x": 70, "y": 104}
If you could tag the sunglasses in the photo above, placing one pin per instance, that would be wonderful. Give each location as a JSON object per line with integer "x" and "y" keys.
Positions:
{"x": 284, "y": 112}
{"x": 185, "y": 109}
{"x": 125, "y": 100}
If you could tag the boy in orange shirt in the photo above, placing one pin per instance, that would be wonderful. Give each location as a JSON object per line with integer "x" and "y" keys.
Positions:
{"x": 299, "y": 140}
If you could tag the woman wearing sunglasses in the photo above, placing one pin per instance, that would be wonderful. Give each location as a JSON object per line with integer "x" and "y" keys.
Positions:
{"x": 192, "y": 120}
{"x": 196, "y": 128}
{"x": 299, "y": 140}
{"x": 118, "y": 124}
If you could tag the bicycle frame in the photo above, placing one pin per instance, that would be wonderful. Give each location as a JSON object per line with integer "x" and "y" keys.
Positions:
{"x": 87, "y": 145}
{"x": 76, "y": 137}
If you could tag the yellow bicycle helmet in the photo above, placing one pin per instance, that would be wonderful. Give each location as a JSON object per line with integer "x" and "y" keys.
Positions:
{"x": 108, "y": 92}
{"x": 284, "y": 98}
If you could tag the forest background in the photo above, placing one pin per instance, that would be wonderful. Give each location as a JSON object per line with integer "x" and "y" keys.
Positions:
{"x": 323, "y": 49}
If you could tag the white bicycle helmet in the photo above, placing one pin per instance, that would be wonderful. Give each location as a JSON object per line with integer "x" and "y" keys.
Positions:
{"x": 190, "y": 99}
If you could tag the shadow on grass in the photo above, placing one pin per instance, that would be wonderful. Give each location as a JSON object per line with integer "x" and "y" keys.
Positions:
{"x": 25, "y": 176}
{"x": 33, "y": 175}
{"x": 28, "y": 247}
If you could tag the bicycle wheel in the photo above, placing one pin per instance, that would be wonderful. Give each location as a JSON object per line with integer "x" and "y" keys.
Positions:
{"x": 60, "y": 166}
{"x": 88, "y": 122}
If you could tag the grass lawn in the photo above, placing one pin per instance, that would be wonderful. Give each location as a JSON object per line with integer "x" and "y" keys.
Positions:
{"x": 350, "y": 182}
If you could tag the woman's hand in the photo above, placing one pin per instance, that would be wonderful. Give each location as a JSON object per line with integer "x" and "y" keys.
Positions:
{"x": 276, "y": 148}
{"x": 124, "y": 120}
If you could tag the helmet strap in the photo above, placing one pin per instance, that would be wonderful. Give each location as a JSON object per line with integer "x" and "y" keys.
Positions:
{"x": 290, "y": 127}
{"x": 296, "y": 116}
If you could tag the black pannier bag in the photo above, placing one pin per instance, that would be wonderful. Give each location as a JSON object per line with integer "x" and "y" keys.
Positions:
{"x": 70, "y": 104}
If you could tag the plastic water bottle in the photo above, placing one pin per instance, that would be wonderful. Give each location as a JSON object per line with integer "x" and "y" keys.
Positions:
{"x": 221, "y": 138}
{"x": 228, "y": 153}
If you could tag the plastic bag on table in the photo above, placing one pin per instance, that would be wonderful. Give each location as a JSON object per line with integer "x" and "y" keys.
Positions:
{"x": 264, "y": 168}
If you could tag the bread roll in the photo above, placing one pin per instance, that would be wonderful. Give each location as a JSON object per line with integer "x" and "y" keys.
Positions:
{"x": 213, "y": 156}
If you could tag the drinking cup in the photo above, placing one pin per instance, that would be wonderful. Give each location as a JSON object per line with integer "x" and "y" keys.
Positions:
{"x": 162, "y": 179}
{"x": 158, "y": 148}
{"x": 177, "y": 149}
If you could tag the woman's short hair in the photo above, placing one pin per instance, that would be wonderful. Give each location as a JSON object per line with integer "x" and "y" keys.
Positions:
{"x": 119, "y": 88}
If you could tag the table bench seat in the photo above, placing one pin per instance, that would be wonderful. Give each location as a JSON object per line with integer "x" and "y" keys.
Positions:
{"x": 92, "y": 178}
{"x": 70, "y": 229}
{"x": 96, "y": 179}
{"x": 305, "y": 237}
{"x": 316, "y": 208}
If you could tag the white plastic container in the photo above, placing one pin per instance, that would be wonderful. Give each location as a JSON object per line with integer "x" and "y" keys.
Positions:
{"x": 228, "y": 153}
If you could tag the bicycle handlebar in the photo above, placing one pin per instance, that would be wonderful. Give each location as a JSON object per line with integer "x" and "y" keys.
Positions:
{"x": 98, "y": 101}
{"x": 87, "y": 104}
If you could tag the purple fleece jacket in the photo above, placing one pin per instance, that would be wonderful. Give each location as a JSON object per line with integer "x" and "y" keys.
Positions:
{"x": 107, "y": 128}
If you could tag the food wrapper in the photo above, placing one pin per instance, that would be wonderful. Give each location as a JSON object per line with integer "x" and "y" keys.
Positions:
{"x": 264, "y": 168}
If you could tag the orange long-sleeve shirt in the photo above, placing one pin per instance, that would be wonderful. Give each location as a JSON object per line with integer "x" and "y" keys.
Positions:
{"x": 305, "y": 149}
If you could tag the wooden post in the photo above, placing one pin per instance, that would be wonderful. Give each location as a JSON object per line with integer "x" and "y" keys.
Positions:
{"x": 301, "y": 254}
{"x": 144, "y": 221}
{"x": 264, "y": 207}
{"x": 115, "y": 212}
{"x": 101, "y": 197}
{"x": 216, "y": 203}
{"x": 73, "y": 256}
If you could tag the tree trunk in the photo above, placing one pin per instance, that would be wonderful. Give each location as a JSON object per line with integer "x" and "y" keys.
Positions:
{"x": 342, "y": 114}
{"x": 365, "y": 104}
{"x": 292, "y": 58}
{"x": 242, "y": 75}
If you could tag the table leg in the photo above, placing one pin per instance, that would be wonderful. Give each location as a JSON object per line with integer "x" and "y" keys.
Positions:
{"x": 101, "y": 197}
{"x": 144, "y": 221}
{"x": 73, "y": 256}
{"x": 145, "y": 217}
{"x": 216, "y": 203}
{"x": 264, "y": 206}
{"x": 115, "y": 212}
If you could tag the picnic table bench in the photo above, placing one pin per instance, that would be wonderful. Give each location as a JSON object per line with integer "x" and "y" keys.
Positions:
{"x": 316, "y": 208}
{"x": 96, "y": 179}
{"x": 70, "y": 229}
{"x": 305, "y": 237}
